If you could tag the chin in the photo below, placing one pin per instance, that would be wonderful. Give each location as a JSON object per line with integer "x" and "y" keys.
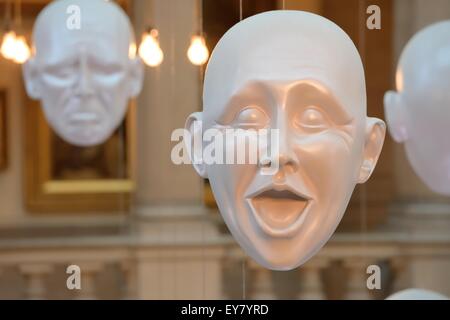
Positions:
{"x": 83, "y": 139}
{"x": 274, "y": 261}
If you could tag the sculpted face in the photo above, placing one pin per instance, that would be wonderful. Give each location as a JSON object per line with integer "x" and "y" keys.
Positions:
{"x": 300, "y": 74}
{"x": 418, "y": 112}
{"x": 84, "y": 78}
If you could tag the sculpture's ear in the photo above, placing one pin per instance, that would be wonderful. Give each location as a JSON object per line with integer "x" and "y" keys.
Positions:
{"x": 136, "y": 76}
{"x": 194, "y": 142}
{"x": 31, "y": 79}
{"x": 374, "y": 138}
{"x": 395, "y": 116}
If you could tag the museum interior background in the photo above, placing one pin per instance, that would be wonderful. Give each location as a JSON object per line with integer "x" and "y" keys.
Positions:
{"x": 142, "y": 227}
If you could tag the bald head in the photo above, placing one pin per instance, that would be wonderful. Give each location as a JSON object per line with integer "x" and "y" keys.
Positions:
{"x": 417, "y": 113}
{"x": 103, "y": 24}
{"x": 286, "y": 46}
{"x": 299, "y": 77}
{"x": 426, "y": 58}
{"x": 82, "y": 69}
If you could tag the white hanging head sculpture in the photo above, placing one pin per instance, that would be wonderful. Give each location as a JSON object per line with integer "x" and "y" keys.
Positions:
{"x": 300, "y": 74}
{"x": 416, "y": 294}
{"x": 418, "y": 113}
{"x": 84, "y": 71}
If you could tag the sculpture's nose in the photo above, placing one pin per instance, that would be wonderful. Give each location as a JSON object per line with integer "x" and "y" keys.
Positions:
{"x": 282, "y": 158}
{"x": 84, "y": 85}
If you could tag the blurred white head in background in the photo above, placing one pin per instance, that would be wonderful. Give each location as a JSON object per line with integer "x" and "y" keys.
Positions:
{"x": 416, "y": 294}
{"x": 84, "y": 73}
{"x": 418, "y": 113}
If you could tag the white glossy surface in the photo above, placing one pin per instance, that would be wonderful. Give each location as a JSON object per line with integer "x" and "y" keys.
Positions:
{"x": 416, "y": 294}
{"x": 418, "y": 113}
{"x": 300, "y": 73}
{"x": 84, "y": 78}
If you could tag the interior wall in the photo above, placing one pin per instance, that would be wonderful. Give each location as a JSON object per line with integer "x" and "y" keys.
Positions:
{"x": 11, "y": 208}
{"x": 12, "y": 211}
{"x": 171, "y": 92}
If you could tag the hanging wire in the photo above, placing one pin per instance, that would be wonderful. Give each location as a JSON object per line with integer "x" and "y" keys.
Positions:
{"x": 18, "y": 13}
{"x": 200, "y": 16}
{"x": 244, "y": 280}
{"x": 201, "y": 76}
{"x": 172, "y": 64}
{"x": 240, "y": 10}
{"x": 8, "y": 14}
{"x": 244, "y": 288}
{"x": 362, "y": 187}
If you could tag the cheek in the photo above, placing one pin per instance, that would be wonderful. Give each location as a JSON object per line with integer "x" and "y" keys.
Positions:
{"x": 230, "y": 180}
{"x": 238, "y": 175}
{"x": 50, "y": 92}
{"x": 328, "y": 161}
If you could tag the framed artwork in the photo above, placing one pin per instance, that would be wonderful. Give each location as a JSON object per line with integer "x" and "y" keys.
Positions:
{"x": 3, "y": 130}
{"x": 60, "y": 177}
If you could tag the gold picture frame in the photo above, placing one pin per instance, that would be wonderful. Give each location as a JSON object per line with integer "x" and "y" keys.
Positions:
{"x": 3, "y": 130}
{"x": 62, "y": 178}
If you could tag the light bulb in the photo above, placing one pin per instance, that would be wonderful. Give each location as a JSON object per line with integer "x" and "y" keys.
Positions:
{"x": 8, "y": 47}
{"x": 198, "y": 53}
{"x": 22, "y": 51}
{"x": 149, "y": 49}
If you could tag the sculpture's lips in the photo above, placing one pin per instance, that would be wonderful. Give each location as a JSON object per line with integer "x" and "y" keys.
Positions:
{"x": 279, "y": 212}
{"x": 83, "y": 117}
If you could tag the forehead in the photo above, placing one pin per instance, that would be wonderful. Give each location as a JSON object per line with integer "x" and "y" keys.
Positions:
{"x": 103, "y": 28}
{"x": 285, "y": 46}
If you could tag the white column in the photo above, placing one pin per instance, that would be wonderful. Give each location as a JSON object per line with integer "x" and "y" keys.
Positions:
{"x": 357, "y": 279}
{"x": 35, "y": 275}
{"x": 311, "y": 283}
{"x": 129, "y": 271}
{"x": 401, "y": 275}
{"x": 89, "y": 271}
{"x": 261, "y": 283}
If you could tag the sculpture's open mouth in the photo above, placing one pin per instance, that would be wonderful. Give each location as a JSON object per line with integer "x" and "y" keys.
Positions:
{"x": 279, "y": 213}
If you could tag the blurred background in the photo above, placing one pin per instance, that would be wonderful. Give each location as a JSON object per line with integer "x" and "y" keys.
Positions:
{"x": 139, "y": 226}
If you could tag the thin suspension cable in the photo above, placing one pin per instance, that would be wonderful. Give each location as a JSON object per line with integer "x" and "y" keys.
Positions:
{"x": 202, "y": 229}
{"x": 240, "y": 10}
{"x": 244, "y": 296}
{"x": 8, "y": 14}
{"x": 18, "y": 13}
{"x": 363, "y": 188}
{"x": 200, "y": 14}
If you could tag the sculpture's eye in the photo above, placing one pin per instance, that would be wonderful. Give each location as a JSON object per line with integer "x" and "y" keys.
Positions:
{"x": 63, "y": 73}
{"x": 312, "y": 119}
{"x": 60, "y": 73}
{"x": 251, "y": 118}
{"x": 109, "y": 70}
